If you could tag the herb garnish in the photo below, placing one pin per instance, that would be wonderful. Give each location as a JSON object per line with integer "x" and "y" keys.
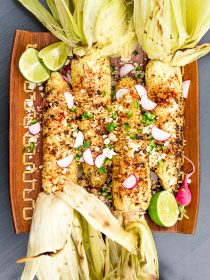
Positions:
{"x": 111, "y": 126}
{"x": 102, "y": 170}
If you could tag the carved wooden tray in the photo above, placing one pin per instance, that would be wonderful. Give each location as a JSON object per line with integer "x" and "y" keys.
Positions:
{"x": 25, "y": 176}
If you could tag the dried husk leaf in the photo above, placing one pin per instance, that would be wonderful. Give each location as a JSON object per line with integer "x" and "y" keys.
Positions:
{"x": 97, "y": 214}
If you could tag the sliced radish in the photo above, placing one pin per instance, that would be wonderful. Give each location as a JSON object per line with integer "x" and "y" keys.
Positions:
{"x": 153, "y": 177}
{"x": 81, "y": 159}
{"x": 185, "y": 88}
{"x": 87, "y": 156}
{"x": 34, "y": 128}
{"x": 79, "y": 140}
{"x": 141, "y": 90}
{"x": 159, "y": 134}
{"x": 121, "y": 92}
{"x": 69, "y": 99}
{"x": 65, "y": 162}
{"x": 125, "y": 69}
{"x": 147, "y": 104}
{"x": 130, "y": 182}
{"x": 99, "y": 160}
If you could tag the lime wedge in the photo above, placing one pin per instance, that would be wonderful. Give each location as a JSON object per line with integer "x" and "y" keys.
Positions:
{"x": 54, "y": 56}
{"x": 31, "y": 67}
{"x": 163, "y": 209}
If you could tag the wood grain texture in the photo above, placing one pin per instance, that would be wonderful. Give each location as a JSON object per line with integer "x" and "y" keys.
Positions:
{"x": 17, "y": 96}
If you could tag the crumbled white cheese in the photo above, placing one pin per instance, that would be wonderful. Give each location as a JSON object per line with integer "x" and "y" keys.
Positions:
{"x": 112, "y": 137}
{"x": 147, "y": 129}
{"x": 106, "y": 141}
{"x": 121, "y": 108}
{"x": 148, "y": 149}
{"x": 108, "y": 153}
{"x": 97, "y": 149}
{"x": 163, "y": 156}
{"x": 189, "y": 181}
{"x": 41, "y": 88}
{"x": 166, "y": 143}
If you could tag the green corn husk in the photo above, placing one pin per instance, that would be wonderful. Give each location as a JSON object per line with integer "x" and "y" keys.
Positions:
{"x": 77, "y": 238}
{"x": 97, "y": 214}
{"x": 109, "y": 31}
{"x": 142, "y": 266}
{"x": 95, "y": 249}
{"x": 50, "y": 232}
{"x": 165, "y": 27}
{"x": 44, "y": 16}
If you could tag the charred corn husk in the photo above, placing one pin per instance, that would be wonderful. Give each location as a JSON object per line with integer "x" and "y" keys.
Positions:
{"x": 164, "y": 86}
{"x": 58, "y": 128}
{"x": 131, "y": 158}
{"x": 91, "y": 82}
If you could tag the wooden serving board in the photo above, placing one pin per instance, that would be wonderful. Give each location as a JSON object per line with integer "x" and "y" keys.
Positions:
{"x": 25, "y": 184}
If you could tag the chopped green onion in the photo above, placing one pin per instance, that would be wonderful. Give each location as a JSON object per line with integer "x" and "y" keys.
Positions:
{"x": 150, "y": 116}
{"x": 108, "y": 146}
{"x": 70, "y": 125}
{"x": 87, "y": 116}
{"x": 138, "y": 68}
{"x": 136, "y": 104}
{"x": 109, "y": 196}
{"x": 126, "y": 127}
{"x": 103, "y": 93}
{"x": 109, "y": 109}
{"x": 138, "y": 76}
{"x": 90, "y": 116}
{"x": 113, "y": 93}
{"x": 133, "y": 136}
{"x": 151, "y": 139}
{"x": 111, "y": 127}
{"x": 114, "y": 116}
{"x": 107, "y": 160}
{"x": 153, "y": 147}
{"x": 31, "y": 146}
{"x": 78, "y": 157}
{"x": 102, "y": 170}
{"x": 86, "y": 145}
{"x": 130, "y": 114}
{"x": 112, "y": 68}
{"x": 79, "y": 148}
{"x": 163, "y": 147}
{"x": 73, "y": 109}
{"x": 159, "y": 162}
{"x": 34, "y": 121}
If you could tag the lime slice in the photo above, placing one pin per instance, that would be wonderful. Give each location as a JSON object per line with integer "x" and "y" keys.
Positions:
{"x": 31, "y": 67}
{"x": 163, "y": 209}
{"x": 54, "y": 56}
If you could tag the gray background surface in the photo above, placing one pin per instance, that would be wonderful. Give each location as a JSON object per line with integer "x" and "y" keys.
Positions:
{"x": 181, "y": 257}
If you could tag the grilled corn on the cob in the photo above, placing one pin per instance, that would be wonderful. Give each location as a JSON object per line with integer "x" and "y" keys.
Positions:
{"x": 58, "y": 137}
{"x": 91, "y": 82}
{"x": 131, "y": 155}
{"x": 164, "y": 86}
